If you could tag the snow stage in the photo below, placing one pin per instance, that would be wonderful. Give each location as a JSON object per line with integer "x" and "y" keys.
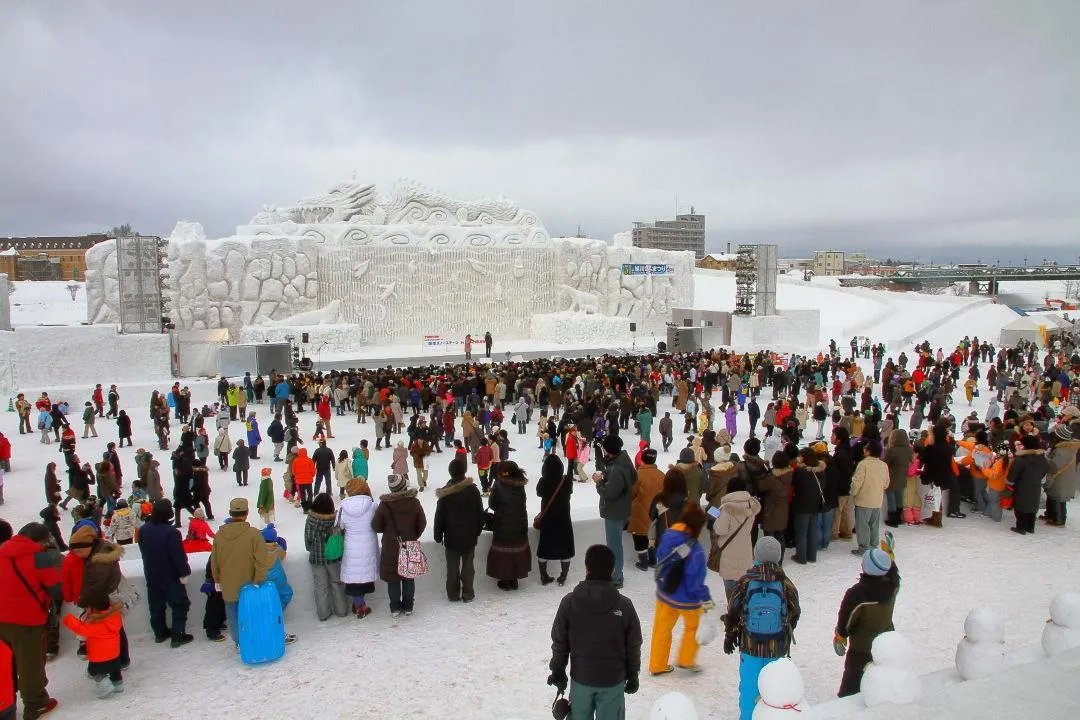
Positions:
{"x": 399, "y": 267}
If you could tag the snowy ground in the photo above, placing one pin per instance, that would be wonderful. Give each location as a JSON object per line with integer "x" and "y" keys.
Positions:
{"x": 490, "y": 657}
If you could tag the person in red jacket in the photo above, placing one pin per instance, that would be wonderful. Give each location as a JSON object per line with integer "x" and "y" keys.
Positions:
{"x": 484, "y": 457}
{"x": 29, "y": 586}
{"x": 5, "y": 459}
{"x": 325, "y": 414}
{"x": 99, "y": 400}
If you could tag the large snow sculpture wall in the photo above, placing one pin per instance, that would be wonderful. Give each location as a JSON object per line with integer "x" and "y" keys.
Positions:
{"x": 414, "y": 263}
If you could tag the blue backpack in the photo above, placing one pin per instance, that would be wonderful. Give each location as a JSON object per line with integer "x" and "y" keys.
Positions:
{"x": 766, "y": 608}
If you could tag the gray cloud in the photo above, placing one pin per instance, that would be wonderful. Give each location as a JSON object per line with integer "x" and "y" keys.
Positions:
{"x": 925, "y": 126}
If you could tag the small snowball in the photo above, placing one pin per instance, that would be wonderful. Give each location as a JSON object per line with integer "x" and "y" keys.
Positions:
{"x": 984, "y": 625}
{"x": 673, "y": 706}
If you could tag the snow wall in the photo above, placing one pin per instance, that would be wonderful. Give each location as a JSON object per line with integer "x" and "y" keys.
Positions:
{"x": 57, "y": 356}
{"x": 429, "y": 588}
{"x": 788, "y": 329}
{"x": 395, "y": 283}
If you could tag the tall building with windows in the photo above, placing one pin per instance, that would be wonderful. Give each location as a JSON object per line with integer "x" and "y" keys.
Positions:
{"x": 828, "y": 262}
{"x": 46, "y": 258}
{"x": 685, "y": 232}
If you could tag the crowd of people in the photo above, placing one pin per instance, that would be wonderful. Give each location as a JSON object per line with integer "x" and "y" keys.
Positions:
{"x": 779, "y": 454}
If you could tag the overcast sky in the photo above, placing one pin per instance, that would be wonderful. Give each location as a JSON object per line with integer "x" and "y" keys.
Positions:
{"x": 937, "y": 129}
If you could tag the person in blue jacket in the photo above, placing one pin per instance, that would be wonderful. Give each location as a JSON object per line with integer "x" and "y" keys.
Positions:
{"x": 281, "y": 393}
{"x": 681, "y": 592}
{"x": 254, "y": 437}
{"x": 277, "y": 546}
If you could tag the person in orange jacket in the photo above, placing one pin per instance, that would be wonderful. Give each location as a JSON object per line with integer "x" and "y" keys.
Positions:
{"x": 303, "y": 472}
{"x": 981, "y": 461}
{"x": 101, "y": 628}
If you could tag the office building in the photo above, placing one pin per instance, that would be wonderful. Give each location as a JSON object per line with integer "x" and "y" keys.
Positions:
{"x": 828, "y": 262}
{"x": 685, "y": 232}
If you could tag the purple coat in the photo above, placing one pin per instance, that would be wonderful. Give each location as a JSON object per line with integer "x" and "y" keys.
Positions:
{"x": 729, "y": 420}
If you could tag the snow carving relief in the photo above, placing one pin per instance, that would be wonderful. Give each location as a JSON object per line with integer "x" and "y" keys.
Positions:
{"x": 410, "y": 263}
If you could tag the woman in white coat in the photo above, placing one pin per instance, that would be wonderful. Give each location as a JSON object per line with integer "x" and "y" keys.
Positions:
{"x": 343, "y": 472}
{"x": 360, "y": 563}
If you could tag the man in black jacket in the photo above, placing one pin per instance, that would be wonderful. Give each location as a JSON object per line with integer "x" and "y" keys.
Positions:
{"x": 323, "y": 457}
{"x": 844, "y": 461}
{"x": 597, "y": 630}
{"x": 276, "y": 433}
{"x": 459, "y": 520}
{"x": 166, "y": 570}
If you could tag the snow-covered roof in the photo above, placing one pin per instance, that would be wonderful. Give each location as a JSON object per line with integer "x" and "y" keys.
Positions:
{"x": 722, "y": 257}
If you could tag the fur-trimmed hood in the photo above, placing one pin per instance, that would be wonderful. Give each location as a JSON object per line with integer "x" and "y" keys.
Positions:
{"x": 401, "y": 495}
{"x": 455, "y": 486}
{"x": 107, "y": 552}
{"x": 321, "y": 516}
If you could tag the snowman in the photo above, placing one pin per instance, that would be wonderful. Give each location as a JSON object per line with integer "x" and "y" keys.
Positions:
{"x": 1062, "y": 630}
{"x": 891, "y": 677}
{"x": 673, "y": 706}
{"x": 982, "y": 651}
{"x": 782, "y": 693}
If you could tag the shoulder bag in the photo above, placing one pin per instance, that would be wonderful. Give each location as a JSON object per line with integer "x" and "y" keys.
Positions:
{"x": 412, "y": 562}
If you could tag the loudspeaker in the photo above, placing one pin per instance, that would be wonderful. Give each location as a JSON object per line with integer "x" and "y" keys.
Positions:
{"x": 633, "y": 327}
{"x": 304, "y": 337}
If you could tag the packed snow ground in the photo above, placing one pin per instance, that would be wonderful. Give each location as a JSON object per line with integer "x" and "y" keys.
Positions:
{"x": 490, "y": 658}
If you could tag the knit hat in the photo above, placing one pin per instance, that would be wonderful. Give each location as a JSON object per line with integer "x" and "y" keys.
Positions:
{"x": 876, "y": 562}
{"x": 821, "y": 448}
{"x": 649, "y": 457}
{"x": 83, "y": 537}
{"x": 357, "y": 486}
{"x": 686, "y": 455}
{"x": 87, "y": 522}
{"x": 266, "y": 472}
{"x": 768, "y": 550}
{"x": 397, "y": 483}
{"x": 269, "y": 533}
{"x": 457, "y": 468}
{"x": 612, "y": 444}
{"x": 599, "y": 562}
{"x": 200, "y": 513}
{"x": 1063, "y": 432}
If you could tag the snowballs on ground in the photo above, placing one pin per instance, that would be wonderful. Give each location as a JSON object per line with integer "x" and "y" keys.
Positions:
{"x": 982, "y": 651}
{"x": 673, "y": 706}
{"x": 891, "y": 677}
{"x": 782, "y": 692}
{"x": 1063, "y": 631}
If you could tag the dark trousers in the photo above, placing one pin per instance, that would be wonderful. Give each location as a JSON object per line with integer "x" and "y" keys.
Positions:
{"x": 806, "y": 537}
{"x": 109, "y": 668}
{"x": 305, "y": 495}
{"x": 241, "y": 477}
{"x": 854, "y": 664}
{"x": 1025, "y": 521}
{"x": 401, "y": 594}
{"x": 27, "y": 643}
{"x": 223, "y": 460}
{"x": 1056, "y": 510}
{"x": 214, "y": 614}
{"x": 175, "y": 597}
{"x": 459, "y": 574}
{"x": 24, "y": 424}
{"x": 667, "y": 441}
{"x": 954, "y": 495}
{"x": 322, "y": 476}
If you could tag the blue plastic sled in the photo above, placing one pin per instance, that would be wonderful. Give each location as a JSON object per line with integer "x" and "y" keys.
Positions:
{"x": 262, "y": 624}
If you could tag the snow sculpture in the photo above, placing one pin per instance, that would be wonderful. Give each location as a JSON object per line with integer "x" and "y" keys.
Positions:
{"x": 782, "y": 695}
{"x": 329, "y": 315}
{"x": 5, "y": 303}
{"x": 982, "y": 651}
{"x": 891, "y": 677}
{"x": 673, "y": 706}
{"x": 413, "y": 262}
{"x": 624, "y": 239}
{"x": 1062, "y": 631}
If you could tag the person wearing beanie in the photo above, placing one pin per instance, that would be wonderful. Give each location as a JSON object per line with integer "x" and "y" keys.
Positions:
{"x": 691, "y": 469}
{"x": 865, "y": 612}
{"x": 614, "y": 486}
{"x": 264, "y": 503}
{"x": 166, "y": 570}
{"x": 763, "y": 611}
{"x": 459, "y": 520}
{"x": 649, "y": 483}
{"x": 277, "y": 547}
{"x": 598, "y": 627}
{"x": 399, "y": 515}
{"x": 681, "y": 592}
{"x": 1062, "y": 476}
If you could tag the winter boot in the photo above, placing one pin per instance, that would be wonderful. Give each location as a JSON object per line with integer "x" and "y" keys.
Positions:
{"x": 105, "y": 687}
{"x": 893, "y": 519}
{"x": 643, "y": 561}
{"x": 934, "y": 520}
{"x": 564, "y": 572}
{"x": 545, "y": 579}
{"x": 652, "y": 557}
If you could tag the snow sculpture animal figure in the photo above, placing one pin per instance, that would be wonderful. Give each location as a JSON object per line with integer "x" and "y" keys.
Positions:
{"x": 343, "y": 202}
{"x": 781, "y": 692}
{"x": 891, "y": 678}
{"x": 581, "y": 301}
{"x": 1062, "y": 631}
{"x": 982, "y": 651}
{"x": 329, "y": 315}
